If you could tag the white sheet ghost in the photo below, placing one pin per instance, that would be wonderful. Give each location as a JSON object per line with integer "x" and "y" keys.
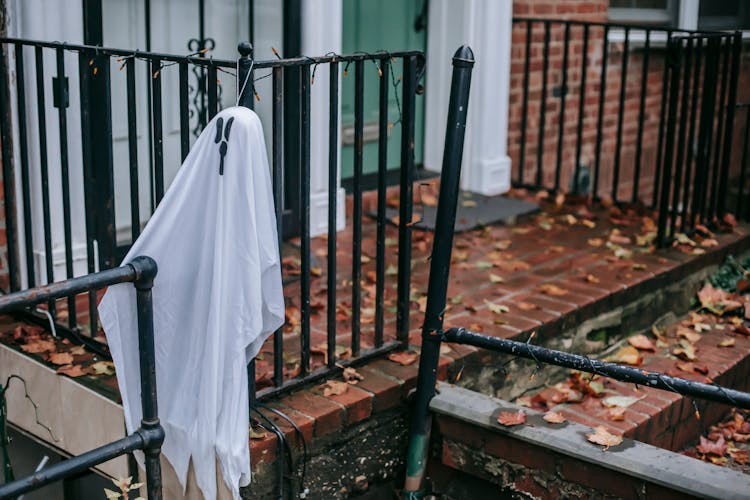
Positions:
{"x": 217, "y": 297}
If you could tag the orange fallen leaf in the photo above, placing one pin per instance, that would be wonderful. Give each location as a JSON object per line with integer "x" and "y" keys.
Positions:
{"x": 688, "y": 334}
{"x": 641, "y": 342}
{"x": 728, "y": 342}
{"x": 590, "y": 278}
{"x": 38, "y": 345}
{"x": 603, "y": 437}
{"x": 685, "y": 351}
{"x": 742, "y": 457}
{"x": 552, "y": 289}
{"x": 334, "y": 388}
{"x": 554, "y": 417}
{"x": 628, "y": 355}
{"x": 404, "y": 358}
{"x": 509, "y": 419}
{"x": 61, "y": 358}
{"x": 72, "y": 371}
{"x": 616, "y": 414}
{"x": 527, "y": 306}
{"x": 352, "y": 376}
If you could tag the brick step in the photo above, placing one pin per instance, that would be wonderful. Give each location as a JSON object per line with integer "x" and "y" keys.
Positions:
{"x": 544, "y": 460}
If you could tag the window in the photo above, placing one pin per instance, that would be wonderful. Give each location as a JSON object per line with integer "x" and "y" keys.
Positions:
{"x": 643, "y": 12}
{"x": 724, "y": 15}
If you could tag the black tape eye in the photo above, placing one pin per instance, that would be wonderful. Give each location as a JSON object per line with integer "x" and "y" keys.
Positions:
{"x": 219, "y": 126}
{"x": 228, "y": 128}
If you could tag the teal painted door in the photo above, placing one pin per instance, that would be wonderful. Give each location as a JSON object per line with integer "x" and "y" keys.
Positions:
{"x": 371, "y": 26}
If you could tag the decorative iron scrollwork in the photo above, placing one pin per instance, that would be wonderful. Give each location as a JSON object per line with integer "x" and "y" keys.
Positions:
{"x": 198, "y": 112}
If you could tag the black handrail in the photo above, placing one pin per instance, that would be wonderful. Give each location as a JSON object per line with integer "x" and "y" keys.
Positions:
{"x": 150, "y": 435}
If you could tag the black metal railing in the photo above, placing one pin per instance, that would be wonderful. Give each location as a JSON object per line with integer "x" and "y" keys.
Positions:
{"x": 92, "y": 196}
{"x": 150, "y": 435}
{"x": 433, "y": 333}
{"x": 589, "y": 117}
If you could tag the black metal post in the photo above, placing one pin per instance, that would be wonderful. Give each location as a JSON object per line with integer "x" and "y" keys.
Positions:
{"x": 463, "y": 62}
{"x": 621, "y": 114}
{"x": 525, "y": 102}
{"x": 146, "y": 269}
{"x": 244, "y": 75}
{"x": 9, "y": 198}
{"x": 729, "y": 128}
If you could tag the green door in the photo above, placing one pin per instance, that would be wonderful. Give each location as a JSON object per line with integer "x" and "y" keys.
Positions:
{"x": 371, "y": 26}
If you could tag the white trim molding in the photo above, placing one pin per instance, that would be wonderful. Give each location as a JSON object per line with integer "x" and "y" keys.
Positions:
{"x": 486, "y": 28}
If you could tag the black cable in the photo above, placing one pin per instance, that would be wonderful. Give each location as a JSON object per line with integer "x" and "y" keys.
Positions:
{"x": 298, "y": 432}
{"x": 283, "y": 448}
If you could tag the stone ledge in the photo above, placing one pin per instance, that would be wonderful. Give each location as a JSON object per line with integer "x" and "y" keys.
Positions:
{"x": 469, "y": 418}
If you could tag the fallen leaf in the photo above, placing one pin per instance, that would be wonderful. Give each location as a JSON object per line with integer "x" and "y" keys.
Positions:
{"x": 527, "y": 306}
{"x": 590, "y": 278}
{"x": 603, "y": 437}
{"x": 508, "y": 418}
{"x": 254, "y": 434}
{"x": 728, "y": 342}
{"x": 494, "y": 278}
{"x": 641, "y": 342}
{"x": 404, "y": 358}
{"x": 616, "y": 414}
{"x": 552, "y": 289}
{"x": 685, "y": 351}
{"x": 709, "y": 242}
{"x": 103, "y": 368}
{"x": 708, "y": 447}
{"x": 729, "y": 220}
{"x": 334, "y": 388}
{"x": 38, "y": 346}
{"x": 72, "y": 371}
{"x": 628, "y": 355}
{"x": 554, "y": 417}
{"x": 61, "y": 358}
{"x": 595, "y": 242}
{"x": 78, "y": 350}
{"x": 496, "y": 308}
{"x": 619, "y": 401}
{"x": 352, "y": 376}
{"x": 742, "y": 457}
{"x": 688, "y": 334}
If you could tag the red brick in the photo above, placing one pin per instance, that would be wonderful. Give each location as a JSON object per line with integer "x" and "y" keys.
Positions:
{"x": 387, "y": 391}
{"x": 356, "y": 402}
{"x": 328, "y": 416}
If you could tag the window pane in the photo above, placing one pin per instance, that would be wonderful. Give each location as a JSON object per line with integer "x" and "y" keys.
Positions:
{"x": 724, "y": 14}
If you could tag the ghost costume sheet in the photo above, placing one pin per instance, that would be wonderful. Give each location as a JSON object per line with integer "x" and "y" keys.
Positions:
{"x": 217, "y": 297}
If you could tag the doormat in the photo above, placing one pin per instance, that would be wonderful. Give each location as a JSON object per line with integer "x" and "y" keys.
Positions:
{"x": 474, "y": 210}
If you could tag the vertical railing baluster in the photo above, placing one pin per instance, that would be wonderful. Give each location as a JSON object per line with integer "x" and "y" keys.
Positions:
{"x": 542, "y": 108}
{"x": 359, "y": 123}
{"x": 135, "y": 217}
{"x": 673, "y": 65}
{"x": 23, "y": 153}
{"x": 62, "y": 92}
{"x": 6, "y": 131}
{"x": 384, "y": 72}
{"x": 641, "y": 117}
{"x": 44, "y": 172}
{"x": 681, "y": 137}
{"x": 156, "y": 124}
{"x": 621, "y": 113}
{"x": 277, "y": 145}
{"x": 213, "y": 91}
{"x": 305, "y": 217}
{"x": 700, "y": 187}
{"x": 716, "y": 166}
{"x": 660, "y": 141}
{"x": 581, "y": 108}
{"x": 691, "y": 151}
{"x": 333, "y": 154}
{"x": 88, "y": 178}
{"x": 406, "y": 198}
{"x": 743, "y": 168}
{"x": 563, "y": 96}
{"x": 184, "y": 112}
{"x": 736, "y": 51}
{"x": 525, "y": 103}
{"x": 600, "y": 116}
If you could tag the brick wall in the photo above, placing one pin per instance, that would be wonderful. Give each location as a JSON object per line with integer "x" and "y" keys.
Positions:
{"x": 587, "y": 11}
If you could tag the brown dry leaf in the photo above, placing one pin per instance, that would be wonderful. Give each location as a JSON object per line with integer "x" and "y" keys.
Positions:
{"x": 641, "y": 342}
{"x": 685, "y": 351}
{"x": 527, "y": 306}
{"x": 352, "y": 376}
{"x": 72, "y": 371}
{"x": 554, "y": 417}
{"x": 494, "y": 278}
{"x": 404, "y": 358}
{"x": 552, "y": 289}
{"x": 428, "y": 199}
{"x": 61, "y": 358}
{"x": 590, "y": 278}
{"x": 588, "y": 223}
{"x": 102, "y": 368}
{"x": 708, "y": 447}
{"x": 37, "y": 346}
{"x": 253, "y": 434}
{"x": 619, "y": 239}
{"x": 78, "y": 350}
{"x": 496, "y": 308}
{"x": 603, "y": 437}
{"x": 422, "y": 301}
{"x": 508, "y": 418}
{"x": 616, "y": 414}
{"x": 628, "y": 355}
{"x": 728, "y": 342}
{"x": 595, "y": 242}
{"x": 729, "y": 220}
{"x": 334, "y": 388}
{"x": 742, "y": 457}
{"x": 709, "y": 242}
{"x": 688, "y": 334}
